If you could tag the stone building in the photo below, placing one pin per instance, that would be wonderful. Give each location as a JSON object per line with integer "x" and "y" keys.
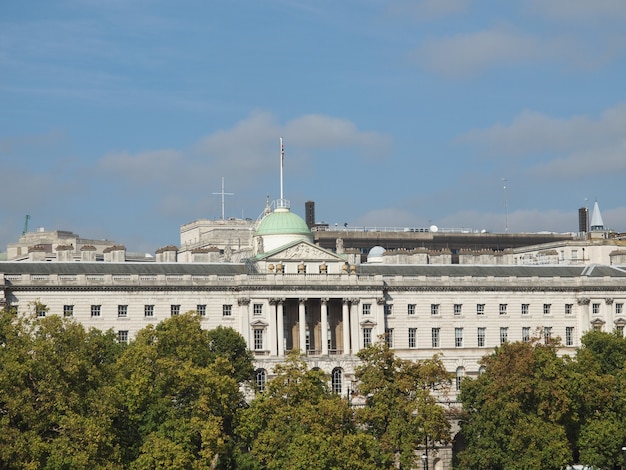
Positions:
{"x": 290, "y": 293}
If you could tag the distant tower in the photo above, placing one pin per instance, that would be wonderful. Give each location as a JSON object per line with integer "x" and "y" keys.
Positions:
{"x": 309, "y": 210}
{"x": 583, "y": 220}
{"x": 596, "y": 218}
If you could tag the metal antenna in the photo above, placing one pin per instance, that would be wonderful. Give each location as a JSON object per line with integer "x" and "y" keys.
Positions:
{"x": 506, "y": 209}
{"x": 223, "y": 194}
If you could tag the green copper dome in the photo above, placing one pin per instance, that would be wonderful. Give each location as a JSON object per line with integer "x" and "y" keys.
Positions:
{"x": 282, "y": 222}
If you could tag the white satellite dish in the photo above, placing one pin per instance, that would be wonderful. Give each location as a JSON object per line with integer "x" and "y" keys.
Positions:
{"x": 434, "y": 228}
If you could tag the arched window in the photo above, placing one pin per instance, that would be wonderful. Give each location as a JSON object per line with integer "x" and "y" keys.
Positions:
{"x": 460, "y": 373}
{"x": 260, "y": 377}
{"x": 481, "y": 370}
{"x": 337, "y": 380}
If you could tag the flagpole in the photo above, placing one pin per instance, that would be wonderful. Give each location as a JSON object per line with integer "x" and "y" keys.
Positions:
{"x": 282, "y": 158}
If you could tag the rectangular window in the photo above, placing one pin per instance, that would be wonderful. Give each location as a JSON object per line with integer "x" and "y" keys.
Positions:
{"x": 148, "y": 310}
{"x": 122, "y": 336}
{"x": 174, "y": 310}
{"x": 388, "y": 309}
{"x": 389, "y": 337}
{"x": 435, "y": 337}
{"x": 68, "y": 310}
{"x": 502, "y": 309}
{"x": 619, "y": 330}
{"x": 546, "y": 309}
{"x": 525, "y": 309}
{"x": 569, "y": 309}
{"x": 41, "y": 309}
{"x": 504, "y": 334}
{"x": 574, "y": 255}
{"x": 526, "y": 334}
{"x": 458, "y": 308}
{"x": 122, "y": 311}
{"x": 258, "y": 339}
{"x": 619, "y": 308}
{"x": 367, "y": 337}
{"x": 412, "y": 337}
{"x": 227, "y": 310}
{"x": 434, "y": 309}
{"x": 95, "y": 310}
{"x": 257, "y": 309}
{"x": 595, "y": 309}
{"x": 458, "y": 337}
{"x": 410, "y": 309}
{"x": 547, "y": 334}
{"x": 201, "y": 309}
{"x": 480, "y": 309}
{"x": 481, "y": 336}
{"x": 569, "y": 336}
{"x": 367, "y": 309}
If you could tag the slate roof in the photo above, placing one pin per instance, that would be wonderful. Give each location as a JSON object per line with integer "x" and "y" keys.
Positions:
{"x": 170, "y": 269}
{"x": 460, "y": 270}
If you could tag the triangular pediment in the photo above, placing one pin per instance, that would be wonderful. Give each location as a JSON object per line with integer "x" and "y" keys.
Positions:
{"x": 301, "y": 250}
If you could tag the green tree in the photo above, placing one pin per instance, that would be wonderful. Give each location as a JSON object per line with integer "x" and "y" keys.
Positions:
{"x": 298, "y": 423}
{"x": 600, "y": 391}
{"x": 225, "y": 342}
{"x": 57, "y": 400}
{"x": 518, "y": 411}
{"x": 401, "y": 407}
{"x": 180, "y": 397}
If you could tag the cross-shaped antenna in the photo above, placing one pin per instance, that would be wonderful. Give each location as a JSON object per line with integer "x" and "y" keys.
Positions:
{"x": 223, "y": 194}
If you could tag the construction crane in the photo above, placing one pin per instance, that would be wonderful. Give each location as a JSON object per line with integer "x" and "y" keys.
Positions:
{"x": 26, "y": 219}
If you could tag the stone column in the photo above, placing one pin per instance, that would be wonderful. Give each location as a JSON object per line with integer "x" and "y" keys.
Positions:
{"x": 244, "y": 315}
{"x": 324, "y": 315}
{"x": 584, "y": 324}
{"x": 302, "y": 326}
{"x": 380, "y": 318}
{"x": 345, "y": 325}
{"x": 355, "y": 333}
{"x": 280, "y": 327}
{"x": 271, "y": 328}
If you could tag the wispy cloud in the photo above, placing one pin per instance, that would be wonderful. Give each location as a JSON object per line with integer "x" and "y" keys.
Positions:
{"x": 423, "y": 10}
{"x": 463, "y": 55}
{"x": 244, "y": 153}
{"x": 573, "y": 147}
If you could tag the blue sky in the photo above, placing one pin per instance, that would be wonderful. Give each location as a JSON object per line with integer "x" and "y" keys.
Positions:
{"x": 118, "y": 119}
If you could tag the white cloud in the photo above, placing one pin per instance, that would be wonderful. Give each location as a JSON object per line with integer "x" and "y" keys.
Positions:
{"x": 246, "y": 155}
{"x": 579, "y": 146}
{"x": 252, "y": 142}
{"x": 609, "y": 160}
{"x": 462, "y": 55}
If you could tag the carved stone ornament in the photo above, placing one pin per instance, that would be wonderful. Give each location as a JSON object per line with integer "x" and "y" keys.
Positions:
{"x": 609, "y": 301}
{"x": 304, "y": 251}
{"x": 584, "y": 301}
{"x": 380, "y": 300}
{"x": 243, "y": 301}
